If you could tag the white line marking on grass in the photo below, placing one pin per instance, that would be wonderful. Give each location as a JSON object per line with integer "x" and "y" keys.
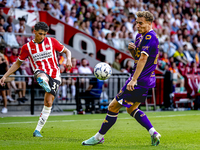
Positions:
{"x": 100, "y": 119}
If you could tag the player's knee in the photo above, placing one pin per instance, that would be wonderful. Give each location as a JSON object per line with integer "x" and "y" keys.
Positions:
{"x": 48, "y": 104}
{"x": 114, "y": 106}
{"x": 43, "y": 75}
{"x": 110, "y": 107}
{"x": 130, "y": 110}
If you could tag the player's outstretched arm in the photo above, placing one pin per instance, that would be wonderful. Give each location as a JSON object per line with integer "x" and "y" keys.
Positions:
{"x": 68, "y": 54}
{"x": 140, "y": 65}
{"x": 12, "y": 69}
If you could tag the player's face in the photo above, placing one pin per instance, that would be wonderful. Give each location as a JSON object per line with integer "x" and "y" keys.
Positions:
{"x": 143, "y": 26}
{"x": 39, "y": 35}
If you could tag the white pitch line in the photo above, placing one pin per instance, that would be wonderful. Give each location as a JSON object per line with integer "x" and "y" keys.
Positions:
{"x": 100, "y": 119}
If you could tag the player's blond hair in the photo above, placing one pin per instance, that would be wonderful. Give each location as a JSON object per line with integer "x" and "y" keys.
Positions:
{"x": 146, "y": 14}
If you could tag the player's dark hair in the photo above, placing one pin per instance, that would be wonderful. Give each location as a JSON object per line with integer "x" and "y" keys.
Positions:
{"x": 41, "y": 26}
{"x": 146, "y": 14}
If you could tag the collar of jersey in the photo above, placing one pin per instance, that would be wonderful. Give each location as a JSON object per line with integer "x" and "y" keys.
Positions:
{"x": 147, "y": 32}
{"x": 38, "y": 43}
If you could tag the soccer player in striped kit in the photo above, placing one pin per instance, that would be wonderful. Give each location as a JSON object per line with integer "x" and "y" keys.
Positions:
{"x": 43, "y": 59}
{"x": 145, "y": 52}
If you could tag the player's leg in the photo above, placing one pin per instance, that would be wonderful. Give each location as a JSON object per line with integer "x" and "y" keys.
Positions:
{"x": 109, "y": 121}
{"x": 4, "y": 110}
{"x": 43, "y": 81}
{"x": 24, "y": 90}
{"x": 48, "y": 101}
{"x": 73, "y": 88}
{"x": 64, "y": 89}
{"x": 141, "y": 117}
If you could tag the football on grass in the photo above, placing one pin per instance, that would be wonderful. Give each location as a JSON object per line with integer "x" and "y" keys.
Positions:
{"x": 102, "y": 71}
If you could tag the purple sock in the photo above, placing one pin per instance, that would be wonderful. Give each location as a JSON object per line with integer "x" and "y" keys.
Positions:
{"x": 141, "y": 117}
{"x": 108, "y": 122}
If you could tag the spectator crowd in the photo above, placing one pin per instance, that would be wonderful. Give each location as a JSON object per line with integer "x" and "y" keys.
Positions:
{"x": 176, "y": 22}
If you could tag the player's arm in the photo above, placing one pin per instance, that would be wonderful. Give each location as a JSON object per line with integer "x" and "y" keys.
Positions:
{"x": 68, "y": 55}
{"x": 181, "y": 60}
{"x": 90, "y": 87}
{"x": 12, "y": 69}
{"x": 131, "y": 48}
{"x": 62, "y": 49}
{"x": 140, "y": 66}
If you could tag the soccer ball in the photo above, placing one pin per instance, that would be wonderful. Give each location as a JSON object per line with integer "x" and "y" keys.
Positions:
{"x": 102, "y": 71}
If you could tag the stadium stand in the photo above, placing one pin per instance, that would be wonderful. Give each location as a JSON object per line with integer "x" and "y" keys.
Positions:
{"x": 177, "y": 24}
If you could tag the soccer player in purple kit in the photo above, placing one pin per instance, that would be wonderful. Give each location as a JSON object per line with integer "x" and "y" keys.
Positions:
{"x": 135, "y": 90}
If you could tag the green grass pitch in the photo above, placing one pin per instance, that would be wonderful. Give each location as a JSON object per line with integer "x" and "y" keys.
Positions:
{"x": 179, "y": 130}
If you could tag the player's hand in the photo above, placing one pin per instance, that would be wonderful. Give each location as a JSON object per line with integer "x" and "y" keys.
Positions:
{"x": 130, "y": 85}
{"x": 2, "y": 80}
{"x": 131, "y": 46}
{"x": 68, "y": 64}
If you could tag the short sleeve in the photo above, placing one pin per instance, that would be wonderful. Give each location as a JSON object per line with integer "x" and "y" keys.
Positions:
{"x": 57, "y": 45}
{"x": 146, "y": 44}
{"x": 24, "y": 53}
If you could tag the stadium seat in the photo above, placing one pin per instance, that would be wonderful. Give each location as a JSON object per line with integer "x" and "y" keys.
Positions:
{"x": 180, "y": 98}
{"x": 189, "y": 85}
{"x": 151, "y": 94}
{"x": 181, "y": 69}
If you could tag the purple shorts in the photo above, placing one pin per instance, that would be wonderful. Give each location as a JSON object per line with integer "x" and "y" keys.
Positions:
{"x": 128, "y": 98}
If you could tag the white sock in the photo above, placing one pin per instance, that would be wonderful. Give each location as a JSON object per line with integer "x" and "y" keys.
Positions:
{"x": 151, "y": 131}
{"x": 73, "y": 88}
{"x": 98, "y": 136}
{"x": 43, "y": 117}
{"x": 64, "y": 90}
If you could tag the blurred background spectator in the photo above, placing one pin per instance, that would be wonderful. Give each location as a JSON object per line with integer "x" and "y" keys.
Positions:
{"x": 176, "y": 22}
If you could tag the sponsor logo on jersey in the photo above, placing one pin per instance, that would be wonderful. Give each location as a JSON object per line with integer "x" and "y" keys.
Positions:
{"x": 42, "y": 55}
{"x": 145, "y": 47}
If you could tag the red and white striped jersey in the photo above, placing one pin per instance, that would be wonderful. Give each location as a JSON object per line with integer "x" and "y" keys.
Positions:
{"x": 42, "y": 56}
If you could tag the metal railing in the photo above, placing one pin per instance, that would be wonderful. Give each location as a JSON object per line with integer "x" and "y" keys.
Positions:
{"x": 114, "y": 83}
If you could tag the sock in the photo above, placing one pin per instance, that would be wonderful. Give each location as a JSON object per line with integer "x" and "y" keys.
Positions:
{"x": 151, "y": 131}
{"x": 43, "y": 117}
{"x": 141, "y": 117}
{"x": 181, "y": 89}
{"x": 108, "y": 122}
{"x": 73, "y": 88}
{"x": 64, "y": 90}
{"x": 98, "y": 136}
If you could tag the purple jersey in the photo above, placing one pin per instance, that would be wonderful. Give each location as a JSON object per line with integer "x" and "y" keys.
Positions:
{"x": 149, "y": 45}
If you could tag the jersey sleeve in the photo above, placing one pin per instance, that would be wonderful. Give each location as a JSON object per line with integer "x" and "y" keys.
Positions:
{"x": 24, "y": 53}
{"x": 146, "y": 44}
{"x": 57, "y": 45}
